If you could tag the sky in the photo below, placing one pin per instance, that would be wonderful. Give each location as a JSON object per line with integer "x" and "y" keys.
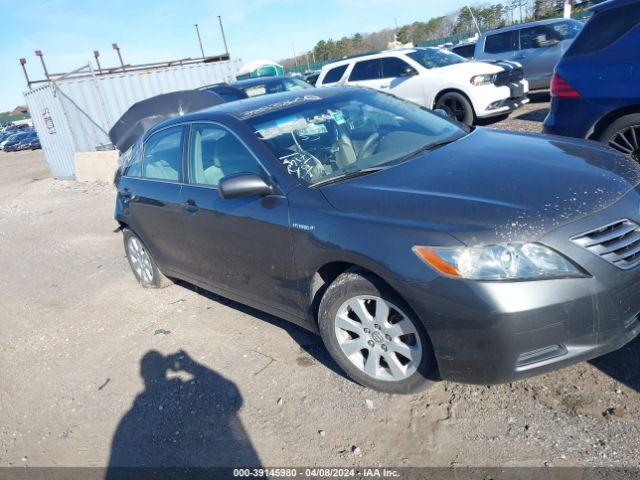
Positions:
{"x": 68, "y": 31}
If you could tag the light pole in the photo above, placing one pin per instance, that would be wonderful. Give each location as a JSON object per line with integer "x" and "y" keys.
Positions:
{"x": 224, "y": 39}
{"x": 199, "y": 40}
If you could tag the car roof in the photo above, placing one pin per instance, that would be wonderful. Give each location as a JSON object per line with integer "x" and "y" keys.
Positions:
{"x": 520, "y": 26}
{"x": 255, "y": 107}
{"x": 250, "y": 82}
{"x": 609, "y": 4}
{"x": 360, "y": 56}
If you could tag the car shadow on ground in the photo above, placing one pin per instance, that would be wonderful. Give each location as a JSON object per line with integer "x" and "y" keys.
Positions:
{"x": 534, "y": 115}
{"x": 309, "y": 342}
{"x": 623, "y": 365}
{"x": 185, "y": 417}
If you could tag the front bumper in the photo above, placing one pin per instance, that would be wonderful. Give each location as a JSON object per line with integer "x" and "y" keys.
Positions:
{"x": 496, "y": 332}
{"x": 492, "y": 101}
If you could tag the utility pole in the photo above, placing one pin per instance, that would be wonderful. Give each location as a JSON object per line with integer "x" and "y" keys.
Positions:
{"x": 224, "y": 39}
{"x": 295, "y": 59}
{"x": 117, "y": 49}
{"x": 199, "y": 40}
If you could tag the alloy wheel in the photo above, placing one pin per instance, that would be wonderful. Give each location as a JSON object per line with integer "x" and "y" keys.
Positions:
{"x": 140, "y": 260}
{"x": 378, "y": 338}
{"x": 627, "y": 141}
{"x": 454, "y": 108}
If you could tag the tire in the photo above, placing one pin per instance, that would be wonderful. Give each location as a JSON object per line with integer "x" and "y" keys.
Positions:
{"x": 457, "y": 106}
{"x": 143, "y": 266}
{"x": 624, "y": 135}
{"x": 412, "y": 373}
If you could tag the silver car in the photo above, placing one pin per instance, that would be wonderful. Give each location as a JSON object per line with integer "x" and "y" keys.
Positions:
{"x": 538, "y": 46}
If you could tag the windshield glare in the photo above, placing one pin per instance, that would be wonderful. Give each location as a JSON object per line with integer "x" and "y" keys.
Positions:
{"x": 435, "y": 57}
{"x": 325, "y": 138}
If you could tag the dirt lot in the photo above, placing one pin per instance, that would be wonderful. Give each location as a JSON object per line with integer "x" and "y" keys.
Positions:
{"x": 84, "y": 351}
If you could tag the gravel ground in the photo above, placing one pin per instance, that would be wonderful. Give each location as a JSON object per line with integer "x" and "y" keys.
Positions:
{"x": 99, "y": 371}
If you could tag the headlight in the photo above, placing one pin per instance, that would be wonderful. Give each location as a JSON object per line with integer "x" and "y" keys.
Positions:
{"x": 479, "y": 80}
{"x": 507, "y": 261}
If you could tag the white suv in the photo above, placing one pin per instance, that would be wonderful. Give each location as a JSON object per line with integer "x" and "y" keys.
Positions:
{"x": 436, "y": 78}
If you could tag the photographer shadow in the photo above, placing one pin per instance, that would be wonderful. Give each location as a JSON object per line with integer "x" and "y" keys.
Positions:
{"x": 186, "y": 417}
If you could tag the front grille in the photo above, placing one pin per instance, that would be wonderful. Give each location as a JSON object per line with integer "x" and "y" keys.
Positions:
{"x": 508, "y": 76}
{"x": 618, "y": 243}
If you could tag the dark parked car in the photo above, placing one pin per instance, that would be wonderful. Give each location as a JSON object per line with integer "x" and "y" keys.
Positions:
{"x": 267, "y": 85}
{"x": 416, "y": 247}
{"x": 10, "y": 143}
{"x": 228, "y": 92}
{"x": 596, "y": 87}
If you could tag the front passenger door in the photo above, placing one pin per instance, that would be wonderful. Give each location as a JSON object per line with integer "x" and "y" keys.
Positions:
{"x": 241, "y": 245}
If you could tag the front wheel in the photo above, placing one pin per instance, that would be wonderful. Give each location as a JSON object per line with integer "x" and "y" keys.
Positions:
{"x": 457, "y": 106}
{"x": 624, "y": 135}
{"x": 373, "y": 335}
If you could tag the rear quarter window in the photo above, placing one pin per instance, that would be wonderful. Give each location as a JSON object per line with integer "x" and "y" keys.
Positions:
{"x": 605, "y": 28}
{"x": 466, "y": 51}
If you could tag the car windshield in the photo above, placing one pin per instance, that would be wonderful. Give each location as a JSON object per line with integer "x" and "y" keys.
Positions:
{"x": 567, "y": 29}
{"x": 435, "y": 57}
{"x": 318, "y": 140}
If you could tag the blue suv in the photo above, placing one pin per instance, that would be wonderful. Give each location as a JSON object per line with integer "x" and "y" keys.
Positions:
{"x": 596, "y": 86}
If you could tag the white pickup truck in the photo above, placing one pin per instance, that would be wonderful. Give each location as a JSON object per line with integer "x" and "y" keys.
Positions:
{"x": 436, "y": 79}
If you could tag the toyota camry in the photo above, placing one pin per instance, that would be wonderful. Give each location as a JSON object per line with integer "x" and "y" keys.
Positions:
{"x": 418, "y": 248}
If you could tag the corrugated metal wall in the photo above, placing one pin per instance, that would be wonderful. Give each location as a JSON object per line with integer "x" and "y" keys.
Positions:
{"x": 51, "y": 124}
{"x": 86, "y": 108}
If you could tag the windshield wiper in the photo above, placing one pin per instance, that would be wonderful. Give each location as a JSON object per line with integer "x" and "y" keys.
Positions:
{"x": 429, "y": 147}
{"x": 347, "y": 175}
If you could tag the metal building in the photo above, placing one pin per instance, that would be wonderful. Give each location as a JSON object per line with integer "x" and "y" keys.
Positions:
{"x": 74, "y": 112}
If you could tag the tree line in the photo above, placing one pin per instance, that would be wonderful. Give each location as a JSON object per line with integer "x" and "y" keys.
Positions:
{"x": 467, "y": 20}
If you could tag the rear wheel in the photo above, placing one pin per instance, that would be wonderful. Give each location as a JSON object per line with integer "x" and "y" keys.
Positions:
{"x": 624, "y": 135}
{"x": 373, "y": 334}
{"x": 142, "y": 264}
{"x": 457, "y": 106}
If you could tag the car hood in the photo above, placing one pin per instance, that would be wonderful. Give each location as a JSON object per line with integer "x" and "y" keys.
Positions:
{"x": 471, "y": 68}
{"x": 492, "y": 186}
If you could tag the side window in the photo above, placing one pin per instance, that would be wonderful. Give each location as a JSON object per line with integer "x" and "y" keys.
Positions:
{"x": 394, "y": 67}
{"x": 466, "y": 51}
{"x": 216, "y": 153}
{"x": 535, "y": 37}
{"x": 132, "y": 158}
{"x": 162, "y": 155}
{"x": 501, "y": 42}
{"x": 365, "y": 70}
{"x": 334, "y": 75}
{"x": 605, "y": 28}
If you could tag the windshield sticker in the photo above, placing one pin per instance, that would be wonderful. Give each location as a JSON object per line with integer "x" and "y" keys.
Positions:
{"x": 282, "y": 126}
{"x": 277, "y": 106}
{"x": 312, "y": 129}
{"x": 339, "y": 118}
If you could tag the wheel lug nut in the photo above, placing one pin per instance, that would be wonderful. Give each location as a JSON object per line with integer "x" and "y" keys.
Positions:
{"x": 384, "y": 347}
{"x": 377, "y": 327}
{"x": 366, "y": 330}
{"x": 370, "y": 343}
{"x": 388, "y": 337}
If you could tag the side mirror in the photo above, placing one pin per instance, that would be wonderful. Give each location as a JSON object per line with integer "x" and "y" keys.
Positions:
{"x": 442, "y": 113}
{"x": 244, "y": 185}
{"x": 409, "y": 72}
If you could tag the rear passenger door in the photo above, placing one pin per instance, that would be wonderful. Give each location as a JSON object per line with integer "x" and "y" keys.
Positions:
{"x": 500, "y": 46}
{"x": 241, "y": 245}
{"x": 151, "y": 189}
{"x": 367, "y": 73}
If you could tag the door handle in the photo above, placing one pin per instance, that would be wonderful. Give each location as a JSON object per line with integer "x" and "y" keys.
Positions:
{"x": 190, "y": 206}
